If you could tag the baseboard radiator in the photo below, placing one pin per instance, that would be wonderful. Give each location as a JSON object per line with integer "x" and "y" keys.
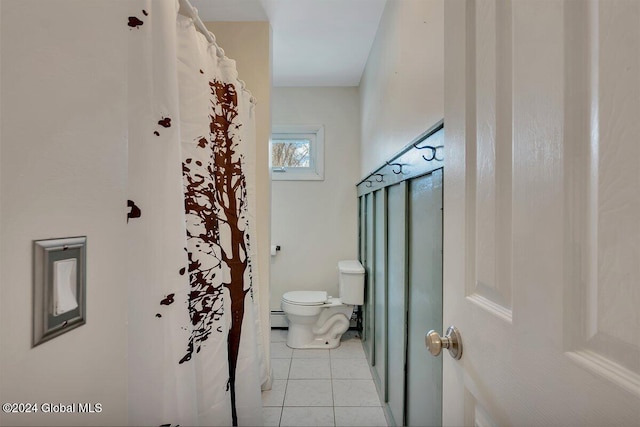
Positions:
{"x": 279, "y": 320}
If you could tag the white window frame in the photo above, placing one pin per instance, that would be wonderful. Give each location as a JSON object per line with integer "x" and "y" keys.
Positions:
{"x": 315, "y": 170}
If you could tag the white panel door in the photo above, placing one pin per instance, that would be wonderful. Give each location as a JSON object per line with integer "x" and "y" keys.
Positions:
{"x": 542, "y": 212}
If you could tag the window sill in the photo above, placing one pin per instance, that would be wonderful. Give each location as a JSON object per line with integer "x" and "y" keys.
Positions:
{"x": 290, "y": 175}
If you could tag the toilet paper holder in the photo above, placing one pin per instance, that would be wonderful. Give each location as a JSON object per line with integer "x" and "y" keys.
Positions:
{"x": 59, "y": 287}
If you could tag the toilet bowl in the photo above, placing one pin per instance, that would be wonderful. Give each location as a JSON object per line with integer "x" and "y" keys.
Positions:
{"x": 317, "y": 320}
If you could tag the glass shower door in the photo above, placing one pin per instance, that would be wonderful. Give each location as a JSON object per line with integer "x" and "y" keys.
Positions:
{"x": 396, "y": 301}
{"x": 424, "y": 372}
{"x": 401, "y": 245}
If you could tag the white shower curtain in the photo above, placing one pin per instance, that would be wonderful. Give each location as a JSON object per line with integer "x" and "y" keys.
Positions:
{"x": 194, "y": 336}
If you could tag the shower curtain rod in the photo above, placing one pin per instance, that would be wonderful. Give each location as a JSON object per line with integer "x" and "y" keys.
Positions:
{"x": 188, "y": 10}
{"x": 192, "y": 13}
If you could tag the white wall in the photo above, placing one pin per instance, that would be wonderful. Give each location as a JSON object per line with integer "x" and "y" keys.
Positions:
{"x": 63, "y": 173}
{"x": 315, "y": 222}
{"x": 249, "y": 44}
{"x": 402, "y": 88}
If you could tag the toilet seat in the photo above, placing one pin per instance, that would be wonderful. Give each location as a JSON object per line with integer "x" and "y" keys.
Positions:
{"x": 305, "y": 297}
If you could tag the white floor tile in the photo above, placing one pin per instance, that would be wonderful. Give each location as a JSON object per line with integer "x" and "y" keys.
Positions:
{"x": 310, "y": 354}
{"x": 279, "y": 350}
{"x": 348, "y": 350}
{"x": 355, "y": 393}
{"x": 310, "y": 369}
{"x": 350, "y": 369}
{"x": 271, "y": 416}
{"x": 318, "y": 387}
{"x": 309, "y": 393}
{"x": 280, "y": 368}
{"x": 352, "y": 416}
{"x": 275, "y": 396}
{"x": 279, "y": 335}
{"x": 308, "y": 416}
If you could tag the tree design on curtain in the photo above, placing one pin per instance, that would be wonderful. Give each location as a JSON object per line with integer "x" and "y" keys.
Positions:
{"x": 218, "y": 242}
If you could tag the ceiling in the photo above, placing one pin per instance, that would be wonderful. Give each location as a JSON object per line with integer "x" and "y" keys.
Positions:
{"x": 315, "y": 42}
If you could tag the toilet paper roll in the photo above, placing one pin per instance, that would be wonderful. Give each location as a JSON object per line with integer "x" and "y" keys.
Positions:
{"x": 64, "y": 286}
{"x": 274, "y": 249}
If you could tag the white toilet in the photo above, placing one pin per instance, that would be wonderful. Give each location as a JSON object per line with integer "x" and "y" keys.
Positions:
{"x": 317, "y": 320}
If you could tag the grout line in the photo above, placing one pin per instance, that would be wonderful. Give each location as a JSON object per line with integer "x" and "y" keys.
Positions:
{"x": 331, "y": 380}
{"x": 333, "y": 396}
{"x": 286, "y": 386}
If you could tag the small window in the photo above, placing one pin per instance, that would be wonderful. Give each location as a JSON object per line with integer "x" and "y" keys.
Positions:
{"x": 289, "y": 152}
{"x": 297, "y": 152}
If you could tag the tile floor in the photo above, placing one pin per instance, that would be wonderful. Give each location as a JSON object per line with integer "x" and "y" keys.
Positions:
{"x": 321, "y": 387}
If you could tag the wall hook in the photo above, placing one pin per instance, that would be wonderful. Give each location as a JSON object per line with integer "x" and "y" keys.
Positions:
{"x": 399, "y": 171}
{"x": 434, "y": 152}
{"x": 439, "y": 159}
{"x": 430, "y": 158}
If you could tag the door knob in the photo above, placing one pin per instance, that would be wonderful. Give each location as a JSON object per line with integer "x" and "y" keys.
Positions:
{"x": 452, "y": 341}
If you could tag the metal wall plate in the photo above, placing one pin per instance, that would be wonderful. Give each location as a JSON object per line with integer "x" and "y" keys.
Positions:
{"x": 59, "y": 286}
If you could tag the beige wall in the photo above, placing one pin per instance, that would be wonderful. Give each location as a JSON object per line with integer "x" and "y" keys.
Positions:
{"x": 249, "y": 44}
{"x": 315, "y": 222}
{"x": 64, "y": 173}
{"x": 402, "y": 88}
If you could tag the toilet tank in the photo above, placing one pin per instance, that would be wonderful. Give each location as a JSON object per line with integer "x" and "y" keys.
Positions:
{"x": 351, "y": 282}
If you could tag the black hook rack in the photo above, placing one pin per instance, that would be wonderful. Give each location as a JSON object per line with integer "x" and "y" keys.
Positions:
{"x": 406, "y": 164}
